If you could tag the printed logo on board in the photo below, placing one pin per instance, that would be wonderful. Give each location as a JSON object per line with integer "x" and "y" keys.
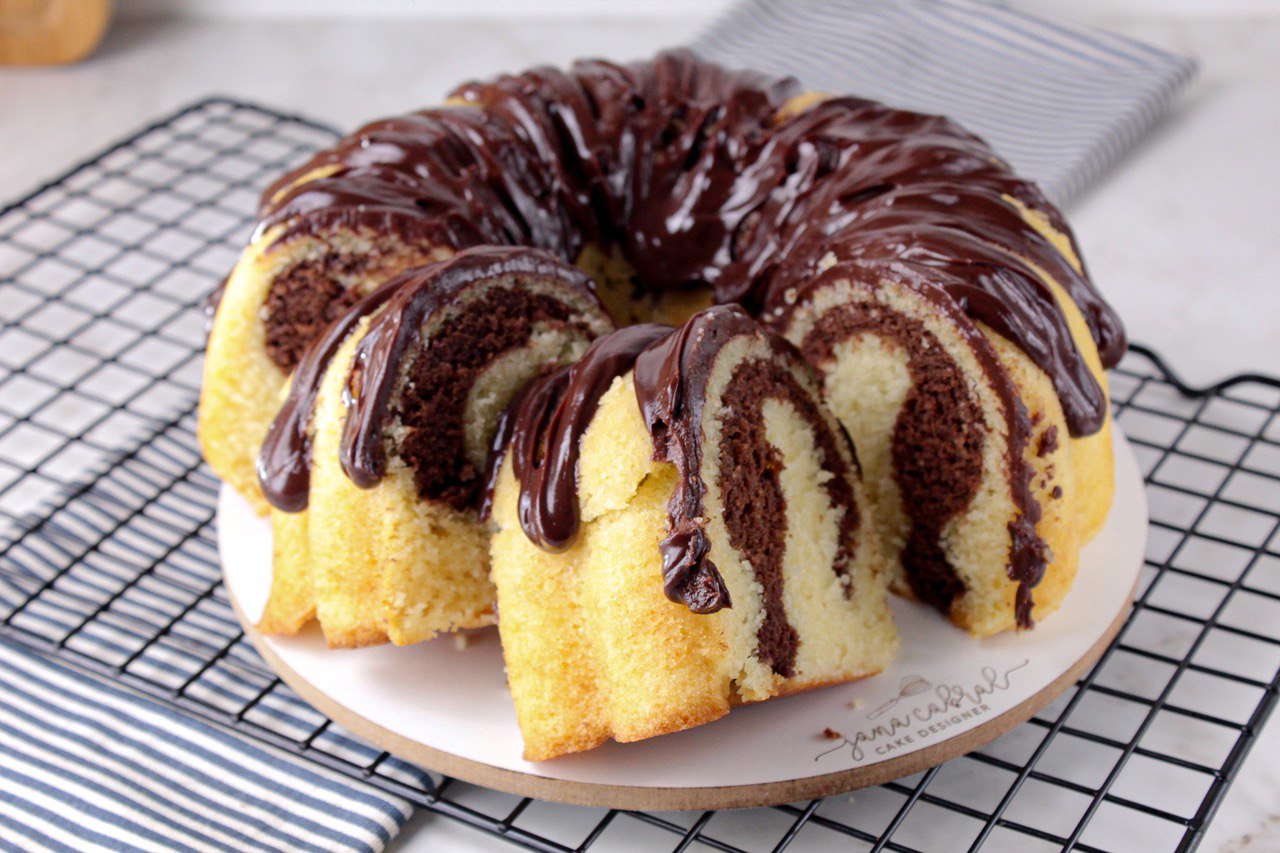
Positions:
{"x": 920, "y": 712}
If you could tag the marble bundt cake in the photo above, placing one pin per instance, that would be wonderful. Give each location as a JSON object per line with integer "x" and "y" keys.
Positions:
{"x": 940, "y": 298}
{"x": 711, "y": 440}
{"x": 375, "y": 464}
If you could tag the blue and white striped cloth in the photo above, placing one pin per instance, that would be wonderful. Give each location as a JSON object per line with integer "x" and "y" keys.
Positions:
{"x": 1060, "y": 103}
{"x": 87, "y": 765}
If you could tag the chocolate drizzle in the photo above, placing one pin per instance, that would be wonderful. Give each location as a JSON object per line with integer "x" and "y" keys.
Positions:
{"x": 284, "y": 463}
{"x": 699, "y": 177}
{"x": 671, "y": 384}
{"x": 542, "y": 431}
{"x": 454, "y": 177}
{"x": 402, "y": 306}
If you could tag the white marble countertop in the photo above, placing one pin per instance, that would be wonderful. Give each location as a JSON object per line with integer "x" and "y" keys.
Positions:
{"x": 1182, "y": 236}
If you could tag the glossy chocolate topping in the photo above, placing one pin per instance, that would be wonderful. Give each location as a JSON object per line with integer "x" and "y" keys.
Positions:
{"x": 542, "y": 432}
{"x": 699, "y": 176}
{"x": 284, "y": 462}
{"x": 402, "y": 307}
{"x": 671, "y": 384}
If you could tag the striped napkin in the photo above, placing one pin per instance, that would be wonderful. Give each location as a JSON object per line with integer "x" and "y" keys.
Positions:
{"x": 1060, "y": 103}
{"x": 87, "y": 765}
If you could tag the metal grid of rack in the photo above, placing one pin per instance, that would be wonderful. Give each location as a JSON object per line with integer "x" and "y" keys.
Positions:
{"x": 108, "y": 560}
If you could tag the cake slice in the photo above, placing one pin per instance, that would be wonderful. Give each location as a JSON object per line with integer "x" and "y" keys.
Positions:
{"x": 375, "y": 465}
{"x": 967, "y": 374}
{"x": 680, "y": 527}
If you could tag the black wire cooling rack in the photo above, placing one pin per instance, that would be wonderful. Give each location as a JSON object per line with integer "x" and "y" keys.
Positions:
{"x": 108, "y": 560}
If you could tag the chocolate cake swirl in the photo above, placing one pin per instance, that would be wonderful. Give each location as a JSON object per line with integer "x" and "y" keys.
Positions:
{"x": 937, "y": 450}
{"x": 441, "y": 369}
{"x": 542, "y": 433}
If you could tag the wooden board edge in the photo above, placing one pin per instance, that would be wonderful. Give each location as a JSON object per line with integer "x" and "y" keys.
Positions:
{"x": 679, "y": 799}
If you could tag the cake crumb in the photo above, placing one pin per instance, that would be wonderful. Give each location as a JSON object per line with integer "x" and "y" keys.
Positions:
{"x": 461, "y": 641}
{"x": 857, "y": 703}
{"x": 1048, "y": 442}
{"x": 831, "y": 734}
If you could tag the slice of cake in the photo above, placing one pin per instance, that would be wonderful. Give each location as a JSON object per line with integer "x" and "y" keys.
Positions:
{"x": 681, "y": 527}
{"x": 375, "y": 466}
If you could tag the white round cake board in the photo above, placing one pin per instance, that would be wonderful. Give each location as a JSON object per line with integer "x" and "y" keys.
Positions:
{"x": 447, "y": 707}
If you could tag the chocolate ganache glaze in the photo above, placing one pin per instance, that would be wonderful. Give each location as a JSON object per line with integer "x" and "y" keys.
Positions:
{"x": 542, "y": 432}
{"x": 284, "y": 462}
{"x": 671, "y": 385}
{"x": 493, "y": 322}
{"x": 703, "y": 176}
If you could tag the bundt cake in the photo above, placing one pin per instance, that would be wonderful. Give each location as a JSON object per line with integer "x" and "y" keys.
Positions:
{"x": 703, "y": 457}
{"x": 940, "y": 299}
{"x": 375, "y": 464}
